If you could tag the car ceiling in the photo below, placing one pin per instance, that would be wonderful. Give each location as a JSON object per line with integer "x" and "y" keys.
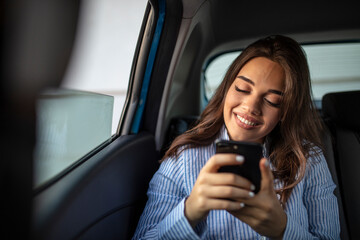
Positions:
{"x": 234, "y": 20}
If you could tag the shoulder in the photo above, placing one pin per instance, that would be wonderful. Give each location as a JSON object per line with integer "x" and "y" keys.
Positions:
{"x": 316, "y": 158}
{"x": 317, "y": 170}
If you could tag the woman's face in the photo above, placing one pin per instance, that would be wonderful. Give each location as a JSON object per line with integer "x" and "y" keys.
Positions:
{"x": 252, "y": 103}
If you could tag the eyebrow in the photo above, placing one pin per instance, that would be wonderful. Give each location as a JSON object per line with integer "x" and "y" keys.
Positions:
{"x": 252, "y": 83}
{"x": 246, "y": 80}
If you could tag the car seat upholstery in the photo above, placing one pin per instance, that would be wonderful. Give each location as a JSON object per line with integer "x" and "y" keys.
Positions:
{"x": 341, "y": 112}
{"x": 329, "y": 155}
{"x": 177, "y": 126}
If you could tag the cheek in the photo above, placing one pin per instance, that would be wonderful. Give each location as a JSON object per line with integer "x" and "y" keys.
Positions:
{"x": 273, "y": 118}
{"x": 231, "y": 100}
{"x": 226, "y": 109}
{"x": 229, "y": 104}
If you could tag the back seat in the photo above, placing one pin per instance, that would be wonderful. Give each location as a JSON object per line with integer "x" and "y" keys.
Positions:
{"x": 341, "y": 112}
{"x": 332, "y": 164}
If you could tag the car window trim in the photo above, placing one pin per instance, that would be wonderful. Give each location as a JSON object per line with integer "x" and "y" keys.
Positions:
{"x": 149, "y": 67}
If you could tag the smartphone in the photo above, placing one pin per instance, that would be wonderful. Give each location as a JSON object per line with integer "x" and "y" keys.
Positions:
{"x": 252, "y": 153}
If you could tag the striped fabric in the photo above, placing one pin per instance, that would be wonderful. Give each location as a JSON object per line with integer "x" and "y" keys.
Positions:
{"x": 312, "y": 211}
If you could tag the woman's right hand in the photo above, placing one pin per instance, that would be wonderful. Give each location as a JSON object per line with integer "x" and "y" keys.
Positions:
{"x": 213, "y": 190}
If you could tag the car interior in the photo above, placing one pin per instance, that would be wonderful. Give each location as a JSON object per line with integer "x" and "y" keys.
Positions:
{"x": 102, "y": 195}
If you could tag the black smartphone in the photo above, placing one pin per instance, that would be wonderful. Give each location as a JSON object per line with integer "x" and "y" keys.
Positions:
{"x": 252, "y": 153}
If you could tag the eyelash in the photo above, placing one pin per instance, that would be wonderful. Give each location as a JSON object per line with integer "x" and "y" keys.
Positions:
{"x": 277, "y": 105}
{"x": 240, "y": 90}
{"x": 267, "y": 101}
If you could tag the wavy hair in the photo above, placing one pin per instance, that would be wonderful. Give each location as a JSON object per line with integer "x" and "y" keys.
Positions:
{"x": 298, "y": 133}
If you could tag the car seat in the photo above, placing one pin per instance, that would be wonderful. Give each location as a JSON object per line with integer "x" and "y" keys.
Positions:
{"x": 341, "y": 112}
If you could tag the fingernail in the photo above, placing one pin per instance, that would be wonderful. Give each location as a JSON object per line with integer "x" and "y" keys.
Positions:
{"x": 251, "y": 194}
{"x": 242, "y": 205}
{"x": 252, "y": 187}
{"x": 239, "y": 158}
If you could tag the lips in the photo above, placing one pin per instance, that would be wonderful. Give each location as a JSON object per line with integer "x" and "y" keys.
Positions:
{"x": 247, "y": 121}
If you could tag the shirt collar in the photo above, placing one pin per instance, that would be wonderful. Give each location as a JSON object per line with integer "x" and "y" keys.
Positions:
{"x": 223, "y": 135}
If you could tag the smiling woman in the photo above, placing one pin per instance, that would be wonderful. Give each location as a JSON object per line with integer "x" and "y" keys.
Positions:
{"x": 264, "y": 97}
{"x": 252, "y": 102}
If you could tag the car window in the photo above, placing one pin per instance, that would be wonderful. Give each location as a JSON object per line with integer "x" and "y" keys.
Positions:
{"x": 84, "y": 112}
{"x": 334, "y": 67}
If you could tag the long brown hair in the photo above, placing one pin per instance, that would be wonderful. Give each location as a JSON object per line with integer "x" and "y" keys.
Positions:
{"x": 298, "y": 133}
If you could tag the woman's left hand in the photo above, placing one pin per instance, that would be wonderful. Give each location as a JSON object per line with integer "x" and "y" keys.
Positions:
{"x": 264, "y": 212}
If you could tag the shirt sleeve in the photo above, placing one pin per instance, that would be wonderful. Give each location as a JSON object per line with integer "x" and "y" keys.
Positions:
{"x": 163, "y": 216}
{"x": 321, "y": 205}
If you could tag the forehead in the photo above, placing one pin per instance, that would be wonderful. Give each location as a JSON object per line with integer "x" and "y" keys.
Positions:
{"x": 262, "y": 71}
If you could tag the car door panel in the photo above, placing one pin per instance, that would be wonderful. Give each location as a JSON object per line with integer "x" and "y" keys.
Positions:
{"x": 102, "y": 196}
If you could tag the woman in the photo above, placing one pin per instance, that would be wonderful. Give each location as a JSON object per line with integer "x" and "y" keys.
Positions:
{"x": 265, "y": 98}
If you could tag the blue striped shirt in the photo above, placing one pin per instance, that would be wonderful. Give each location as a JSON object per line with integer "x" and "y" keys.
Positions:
{"x": 312, "y": 211}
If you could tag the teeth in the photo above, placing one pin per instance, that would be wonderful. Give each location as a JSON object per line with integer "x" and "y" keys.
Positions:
{"x": 247, "y": 122}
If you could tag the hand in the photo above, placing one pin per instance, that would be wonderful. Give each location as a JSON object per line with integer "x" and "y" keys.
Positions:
{"x": 213, "y": 190}
{"x": 264, "y": 212}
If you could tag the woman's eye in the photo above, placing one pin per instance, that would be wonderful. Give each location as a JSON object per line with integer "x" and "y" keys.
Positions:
{"x": 277, "y": 105}
{"x": 241, "y": 90}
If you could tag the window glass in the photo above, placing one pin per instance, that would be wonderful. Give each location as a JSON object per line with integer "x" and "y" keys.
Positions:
{"x": 70, "y": 124}
{"x": 85, "y": 111}
{"x": 104, "y": 49}
{"x": 216, "y": 71}
{"x": 333, "y": 67}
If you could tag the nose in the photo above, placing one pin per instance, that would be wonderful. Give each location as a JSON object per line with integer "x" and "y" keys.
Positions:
{"x": 251, "y": 105}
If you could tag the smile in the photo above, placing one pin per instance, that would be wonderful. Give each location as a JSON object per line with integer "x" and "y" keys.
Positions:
{"x": 247, "y": 122}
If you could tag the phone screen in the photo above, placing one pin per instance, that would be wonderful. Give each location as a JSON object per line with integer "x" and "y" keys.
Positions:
{"x": 252, "y": 153}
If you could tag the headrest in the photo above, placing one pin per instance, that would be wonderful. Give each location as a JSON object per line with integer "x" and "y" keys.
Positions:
{"x": 343, "y": 108}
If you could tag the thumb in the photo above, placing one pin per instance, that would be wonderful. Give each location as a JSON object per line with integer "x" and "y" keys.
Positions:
{"x": 267, "y": 178}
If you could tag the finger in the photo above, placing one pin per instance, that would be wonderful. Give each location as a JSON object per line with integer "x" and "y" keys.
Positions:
{"x": 228, "y": 179}
{"x": 223, "y": 204}
{"x": 226, "y": 192}
{"x": 222, "y": 159}
{"x": 267, "y": 178}
{"x": 249, "y": 212}
{"x": 247, "y": 215}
